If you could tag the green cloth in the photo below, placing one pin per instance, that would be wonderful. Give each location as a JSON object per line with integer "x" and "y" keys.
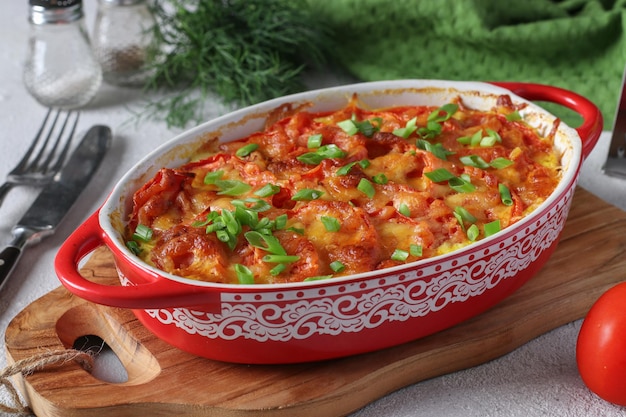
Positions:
{"x": 579, "y": 45}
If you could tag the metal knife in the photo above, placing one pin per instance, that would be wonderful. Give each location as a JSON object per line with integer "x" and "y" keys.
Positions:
{"x": 615, "y": 164}
{"x": 55, "y": 200}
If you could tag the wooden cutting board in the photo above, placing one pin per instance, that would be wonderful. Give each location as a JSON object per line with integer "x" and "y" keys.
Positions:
{"x": 164, "y": 381}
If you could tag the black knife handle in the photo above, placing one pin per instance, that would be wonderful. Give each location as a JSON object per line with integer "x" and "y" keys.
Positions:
{"x": 8, "y": 259}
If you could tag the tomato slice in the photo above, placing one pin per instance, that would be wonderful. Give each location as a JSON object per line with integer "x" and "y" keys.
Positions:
{"x": 601, "y": 346}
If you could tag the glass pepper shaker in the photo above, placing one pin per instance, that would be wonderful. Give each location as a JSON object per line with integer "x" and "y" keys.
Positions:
{"x": 60, "y": 69}
{"x": 121, "y": 40}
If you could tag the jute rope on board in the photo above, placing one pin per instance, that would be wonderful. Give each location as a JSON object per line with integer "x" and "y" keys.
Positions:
{"x": 30, "y": 365}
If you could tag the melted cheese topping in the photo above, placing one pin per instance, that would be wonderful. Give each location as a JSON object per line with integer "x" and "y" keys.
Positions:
{"x": 319, "y": 195}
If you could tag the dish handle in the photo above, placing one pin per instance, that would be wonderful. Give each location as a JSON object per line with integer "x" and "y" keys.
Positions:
{"x": 157, "y": 293}
{"x": 591, "y": 128}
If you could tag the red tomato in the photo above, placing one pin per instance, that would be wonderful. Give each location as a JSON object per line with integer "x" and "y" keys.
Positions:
{"x": 601, "y": 346}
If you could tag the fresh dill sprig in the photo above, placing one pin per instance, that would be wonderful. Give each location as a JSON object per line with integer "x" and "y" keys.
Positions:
{"x": 245, "y": 51}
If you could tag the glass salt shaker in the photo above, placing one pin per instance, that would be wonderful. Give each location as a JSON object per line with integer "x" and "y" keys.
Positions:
{"x": 60, "y": 70}
{"x": 122, "y": 39}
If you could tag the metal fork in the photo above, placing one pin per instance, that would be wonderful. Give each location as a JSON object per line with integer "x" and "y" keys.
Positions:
{"x": 46, "y": 154}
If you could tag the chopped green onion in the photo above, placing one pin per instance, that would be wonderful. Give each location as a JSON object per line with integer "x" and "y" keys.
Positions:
{"x": 488, "y": 141}
{"x": 280, "y": 258}
{"x": 461, "y": 185}
{"x": 500, "y": 163}
{"x": 380, "y": 179}
{"x": 476, "y": 138}
{"x": 244, "y": 274}
{"x": 232, "y": 187}
{"x": 246, "y": 216}
{"x": 211, "y": 216}
{"x": 465, "y": 177}
{"x": 439, "y": 175}
{"x": 331, "y": 224}
{"x": 366, "y": 127}
{"x": 317, "y": 278}
{"x": 143, "y": 233}
{"x": 464, "y": 215}
{"x": 366, "y": 188}
{"x": 472, "y": 232}
{"x": 415, "y": 250}
{"x": 268, "y": 243}
{"x": 404, "y": 210}
{"x": 471, "y": 140}
{"x": 258, "y": 204}
{"x": 232, "y": 225}
{"x": 307, "y": 194}
{"x": 337, "y": 266}
{"x": 278, "y": 269}
{"x": 346, "y": 168}
{"x": 443, "y": 113}
{"x": 348, "y": 126}
{"x": 215, "y": 226}
{"x": 211, "y": 177}
{"x": 223, "y": 235}
{"x": 133, "y": 247}
{"x": 247, "y": 149}
{"x": 228, "y": 225}
{"x": 199, "y": 223}
{"x": 399, "y": 255}
{"x": 492, "y": 133}
{"x": 474, "y": 161}
{"x": 311, "y": 158}
{"x": 314, "y": 141}
{"x": 264, "y": 226}
{"x": 267, "y": 190}
{"x": 431, "y": 130}
{"x": 280, "y": 222}
{"x": 514, "y": 116}
{"x": 505, "y": 195}
{"x": 492, "y": 228}
{"x": 329, "y": 151}
{"x": 407, "y": 130}
{"x": 436, "y": 149}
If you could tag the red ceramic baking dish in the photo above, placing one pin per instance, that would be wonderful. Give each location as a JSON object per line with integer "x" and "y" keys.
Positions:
{"x": 318, "y": 320}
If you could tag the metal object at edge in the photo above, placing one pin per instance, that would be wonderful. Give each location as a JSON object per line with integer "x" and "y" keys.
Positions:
{"x": 56, "y": 198}
{"x": 615, "y": 164}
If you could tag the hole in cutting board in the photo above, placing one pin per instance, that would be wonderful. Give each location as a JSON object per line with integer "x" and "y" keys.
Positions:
{"x": 107, "y": 365}
{"x": 88, "y": 326}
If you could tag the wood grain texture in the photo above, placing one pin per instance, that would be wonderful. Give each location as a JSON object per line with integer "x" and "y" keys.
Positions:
{"x": 164, "y": 381}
